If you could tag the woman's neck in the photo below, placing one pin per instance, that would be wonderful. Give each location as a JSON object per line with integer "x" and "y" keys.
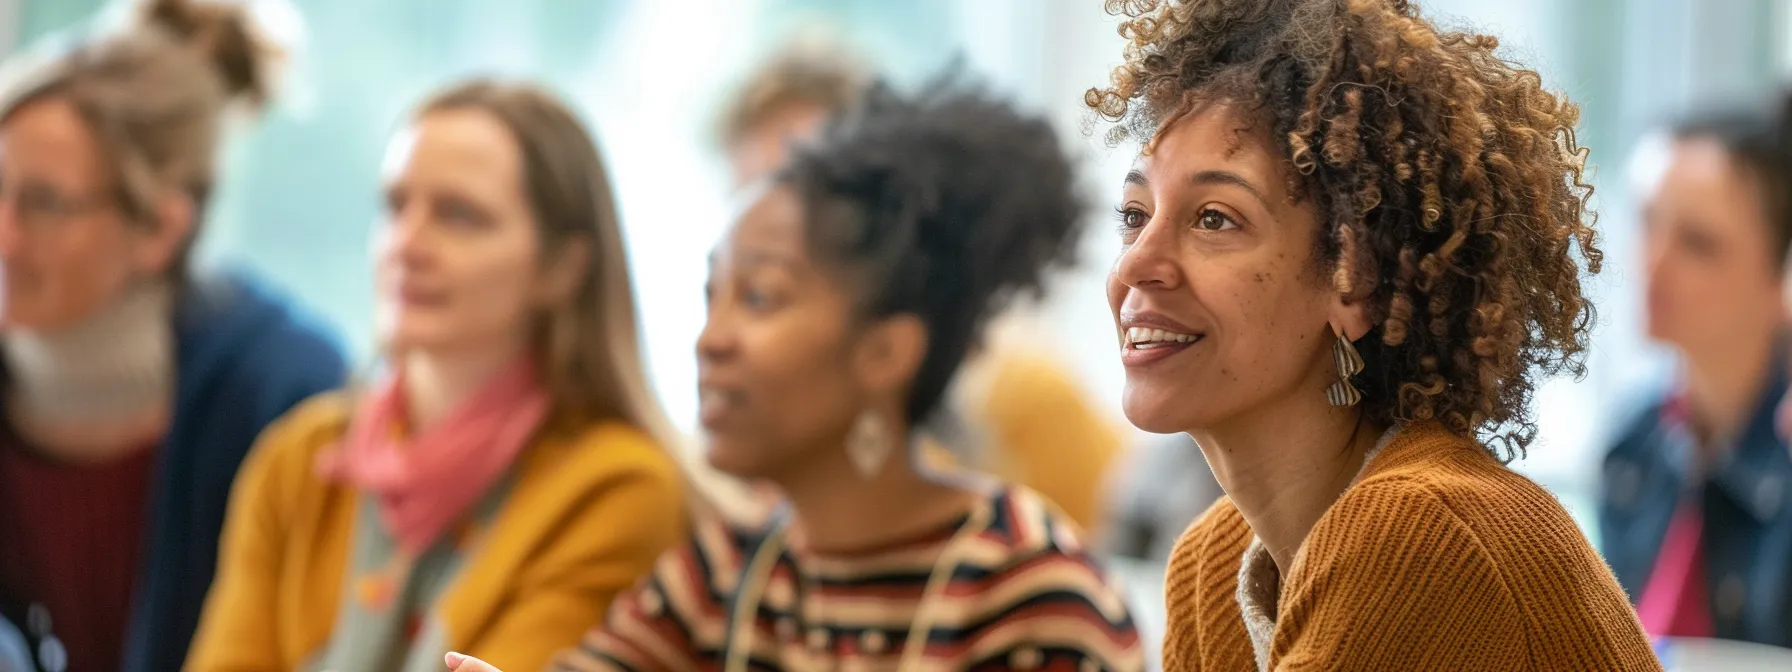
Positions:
{"x": 835, "y": 509}
{"x": 99, "y": 388}
{"x": 436, "y": 382}
{"x": 1724, "y": 384}
{"x": 1283, "y": 467}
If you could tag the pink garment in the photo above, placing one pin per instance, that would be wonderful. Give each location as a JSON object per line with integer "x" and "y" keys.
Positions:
{"x": 426, "y": 480}
{"x": 1674, "y": 601}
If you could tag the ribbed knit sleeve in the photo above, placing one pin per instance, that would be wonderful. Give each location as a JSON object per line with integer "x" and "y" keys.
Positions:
{"x": 1437, "y": 558}
{"x": 1206, "y": 631}
{"x": 1396, "y": 581}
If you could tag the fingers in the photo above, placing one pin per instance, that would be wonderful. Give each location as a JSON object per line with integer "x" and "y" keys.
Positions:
{"x": 464, "y": 663}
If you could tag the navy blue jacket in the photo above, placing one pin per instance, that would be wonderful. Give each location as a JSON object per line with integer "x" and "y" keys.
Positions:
{"x": 1746, "y": 500}
{"x": 245, "y": 356}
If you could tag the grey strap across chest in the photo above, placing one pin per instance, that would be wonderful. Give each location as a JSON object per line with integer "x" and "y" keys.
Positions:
{"x": 365, "y": 638}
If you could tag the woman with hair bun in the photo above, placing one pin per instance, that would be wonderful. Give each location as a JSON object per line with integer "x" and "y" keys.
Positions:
{"x": 506, "y": 475}
{"x": 841, "y": 304}
{"x": 1352, "y": 246}
{"x": 133, "y": 387}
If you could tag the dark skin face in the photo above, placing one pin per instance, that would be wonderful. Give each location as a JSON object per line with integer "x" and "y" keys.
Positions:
{"x": 785, "y": 365}
{"x": 1219, "y": 307}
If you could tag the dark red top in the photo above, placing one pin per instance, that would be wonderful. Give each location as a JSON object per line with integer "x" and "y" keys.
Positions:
{"x": 72, "y": 535}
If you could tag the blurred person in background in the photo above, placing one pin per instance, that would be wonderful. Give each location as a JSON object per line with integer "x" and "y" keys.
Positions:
{"x": 1352, "y": 245}
{"x": 841, "y": 304}
{"x": 1696, "y": 513}
{"x": 133, "y": 385}
{"x": 503, "y": 479}
{"x": 1018, "y": 412}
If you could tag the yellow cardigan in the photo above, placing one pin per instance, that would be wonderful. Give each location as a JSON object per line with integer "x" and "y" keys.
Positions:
{"x": 1437, "y": 558}
{"x": 588, "y": 512}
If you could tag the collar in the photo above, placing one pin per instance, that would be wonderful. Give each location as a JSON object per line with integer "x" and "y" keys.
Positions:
{"x": 1754, "y": 470}
{"x": 114, "y": 363}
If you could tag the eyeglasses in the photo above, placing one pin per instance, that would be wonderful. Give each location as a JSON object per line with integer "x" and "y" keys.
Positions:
{"x": 41, "y": 207}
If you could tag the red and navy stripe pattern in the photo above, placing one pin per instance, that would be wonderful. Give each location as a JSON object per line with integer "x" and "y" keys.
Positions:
{"x": 1023, "y": 594}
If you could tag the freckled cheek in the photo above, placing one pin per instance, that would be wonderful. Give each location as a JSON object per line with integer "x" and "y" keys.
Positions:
{"x": 1258, "y": 313}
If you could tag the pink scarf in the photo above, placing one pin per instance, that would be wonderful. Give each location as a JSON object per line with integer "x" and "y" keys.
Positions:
{"x": 427, "y": 480}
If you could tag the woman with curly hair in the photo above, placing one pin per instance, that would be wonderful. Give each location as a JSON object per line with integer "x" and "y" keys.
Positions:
{"x": 841, "y": 303}
{"x": 1353, "y": 244}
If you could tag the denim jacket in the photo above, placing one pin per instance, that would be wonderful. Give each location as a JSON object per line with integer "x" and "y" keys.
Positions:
{"x": 1746, "y": 501}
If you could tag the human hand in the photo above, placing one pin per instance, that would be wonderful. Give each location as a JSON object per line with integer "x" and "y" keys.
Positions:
{"x": 464, "y": 663}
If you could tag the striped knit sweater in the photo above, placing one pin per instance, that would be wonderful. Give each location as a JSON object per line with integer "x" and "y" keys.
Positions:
{"x": 1437, "y": 558}
{"x": 1020, "y": 593}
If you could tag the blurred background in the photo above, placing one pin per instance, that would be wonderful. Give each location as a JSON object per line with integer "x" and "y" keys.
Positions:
{"x": 301, "y": 189}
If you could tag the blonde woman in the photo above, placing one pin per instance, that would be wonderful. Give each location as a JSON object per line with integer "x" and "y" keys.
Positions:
{"x": 501, "y": 482}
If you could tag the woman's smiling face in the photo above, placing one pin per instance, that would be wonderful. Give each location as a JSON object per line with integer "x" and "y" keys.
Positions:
{"x": 1219, "y": 299}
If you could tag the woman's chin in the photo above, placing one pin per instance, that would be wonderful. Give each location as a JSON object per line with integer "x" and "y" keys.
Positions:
{"x": 732, "y": 460}
{"x": 1155, "y": 416}
{"x": 1154, "y": 423}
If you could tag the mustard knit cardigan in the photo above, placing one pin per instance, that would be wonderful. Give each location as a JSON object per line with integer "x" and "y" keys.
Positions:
{"x": 588, "y": 512}
{"x": 1439, "y": 557}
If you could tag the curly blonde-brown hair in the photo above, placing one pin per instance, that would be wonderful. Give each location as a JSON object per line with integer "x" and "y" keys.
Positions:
{"x": 1448, "y": 180}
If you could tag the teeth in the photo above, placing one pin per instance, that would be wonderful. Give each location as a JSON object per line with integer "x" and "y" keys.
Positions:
{"x": 1141, "y": 337}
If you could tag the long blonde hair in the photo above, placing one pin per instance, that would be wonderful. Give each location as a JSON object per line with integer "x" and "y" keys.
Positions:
{"x": 589, "y": 347}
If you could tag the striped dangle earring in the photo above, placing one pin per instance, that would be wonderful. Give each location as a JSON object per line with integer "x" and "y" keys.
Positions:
{"x": 1350, "y": 363}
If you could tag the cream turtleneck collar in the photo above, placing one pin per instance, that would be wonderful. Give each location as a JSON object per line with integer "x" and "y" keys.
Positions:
{"x": 113, "y": 367}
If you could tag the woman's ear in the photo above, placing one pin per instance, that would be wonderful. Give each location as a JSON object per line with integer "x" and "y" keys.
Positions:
{"x": 161, "y": 244}
{"x": 889, "y": 354}
{"x": 1350, "y": 316}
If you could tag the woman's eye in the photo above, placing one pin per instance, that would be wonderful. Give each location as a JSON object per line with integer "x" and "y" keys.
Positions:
{"x": 1131, "y": 218}
{"x": 755, "y": 299}
{"x": 1132, "y": 222}
{"x": 459, "y": 214}
{"x": 1214, "y": 220}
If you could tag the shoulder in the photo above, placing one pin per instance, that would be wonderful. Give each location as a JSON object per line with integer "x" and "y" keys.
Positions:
{"x": 1038, "y": 589}
{"x": 247, "y": 356}
{"x": 1428, "y": 485}
{"x": 236, "y": 316}
{"x": 306, "y": 428}
{"x": 283, "y": 460}
{"x": 689, "y": 582}
{"x": 608, "y": 448}
{"x": 575, "y": 461}
{"x": 1638, "y": 421}
{"x": 1427, "y": 473}
{"x": 1444, "y": 539}
{"x": 1440, "y": 513}
{"x": 1044, "y": 552}
{"x": 675, "y": 615}
{"x": 604, "y": 483}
